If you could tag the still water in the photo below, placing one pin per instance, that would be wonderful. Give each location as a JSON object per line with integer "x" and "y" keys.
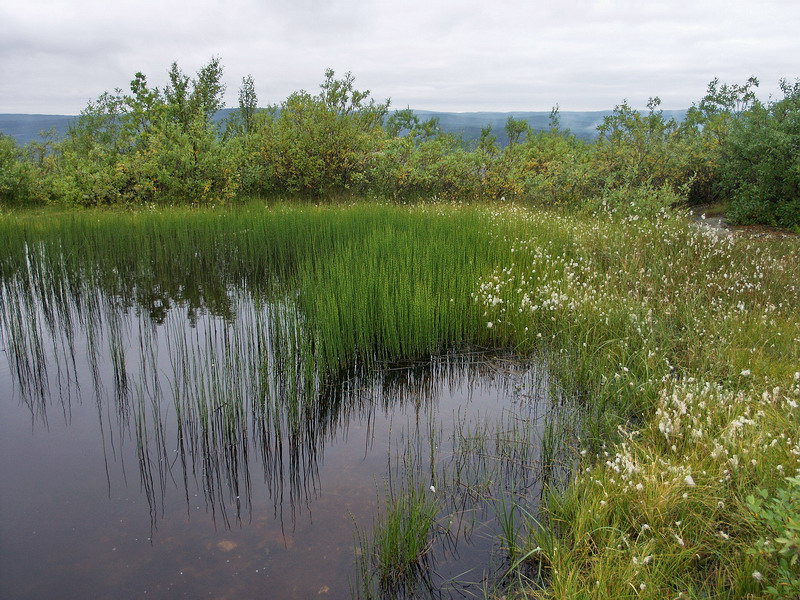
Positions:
{"x": 163, "y": 450}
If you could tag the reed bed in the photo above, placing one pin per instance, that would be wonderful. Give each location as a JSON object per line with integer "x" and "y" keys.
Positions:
{"x": 681, "y": 344}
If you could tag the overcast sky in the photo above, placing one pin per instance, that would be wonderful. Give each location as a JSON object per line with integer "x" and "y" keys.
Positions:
{"x": 451, "y": 55}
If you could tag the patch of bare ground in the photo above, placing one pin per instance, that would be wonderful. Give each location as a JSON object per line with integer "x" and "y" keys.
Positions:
{"x": 713, "y": 218}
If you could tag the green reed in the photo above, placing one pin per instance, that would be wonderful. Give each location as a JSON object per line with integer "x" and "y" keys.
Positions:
{"x": 393, "y": 554}
{"x": 630, "y": 314}
{"x": 336, "y": 291}
{"x": 371, "y": 282}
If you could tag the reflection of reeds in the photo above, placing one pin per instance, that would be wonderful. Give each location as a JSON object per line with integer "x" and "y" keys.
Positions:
{"x": 239, "y": 343}
{"x": 486, "y": 475}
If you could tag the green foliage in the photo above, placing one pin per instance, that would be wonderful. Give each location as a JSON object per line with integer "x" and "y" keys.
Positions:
{"x": 559, "y": 169}
{"x": 201, "y": 97}
{"x": 406, "y": 122}
{"x": 412, "y": 167}
{"x": 149, "y": 146}
{"x": 554, "y": 120}
{"x": 780, "y": 517}
{"x": 722, "y": 104}
{"x": 515, "y": 130}
{"x": 248, "y": 104}
{"x": 704, "y": 134}
{"x": 487, "y": 143}
{"x": 17, "y": 178}
{"x": 251, "y": 150}
{"x": 760, "y": 168}
{"x": 162, "y": 147}
{"x": 636, "y": 149}
{"x": 184, "y": 164}
{"x": 319, "y": 144}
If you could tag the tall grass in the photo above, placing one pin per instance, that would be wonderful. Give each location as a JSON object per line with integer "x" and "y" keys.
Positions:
{"x": 683, "y": 345}
{"x": 371, "y": 282}
{"x": 393, "y": 555}
{"x": 686, "y": 345}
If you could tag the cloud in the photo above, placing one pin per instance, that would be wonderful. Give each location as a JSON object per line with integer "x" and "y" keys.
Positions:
{"x": 445, "y": 55}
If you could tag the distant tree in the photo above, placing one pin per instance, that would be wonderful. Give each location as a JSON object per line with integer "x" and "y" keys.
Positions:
{"x": 554, "y": 120}
{"x": 705, "y": 130}
{"x": 248, "y": 103}
{"x": 487, "y": 142}
{"x": 515, "y": 129}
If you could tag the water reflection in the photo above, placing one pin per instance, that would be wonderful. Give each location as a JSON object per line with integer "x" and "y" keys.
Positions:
{"x": 216, "y": 411}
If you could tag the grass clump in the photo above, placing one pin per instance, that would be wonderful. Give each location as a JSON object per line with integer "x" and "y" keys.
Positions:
{"x": 393, "y": 555}
{"x": 403, "y": 537}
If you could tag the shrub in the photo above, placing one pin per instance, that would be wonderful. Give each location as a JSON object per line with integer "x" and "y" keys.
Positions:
{"x": 780, "y": 517}
{"x": 760, "y": 167}
{"x": 16, "y": 175}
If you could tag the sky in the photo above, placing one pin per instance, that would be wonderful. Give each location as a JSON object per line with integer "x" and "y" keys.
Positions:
{"x": 448, "y": 55}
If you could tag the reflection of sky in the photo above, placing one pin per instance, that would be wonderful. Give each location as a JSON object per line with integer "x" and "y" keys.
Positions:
{"x": 446, "y": 55}
{"x": 75, "y": 516}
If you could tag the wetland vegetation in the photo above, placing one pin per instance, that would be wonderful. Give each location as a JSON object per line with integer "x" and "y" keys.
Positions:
{"x": 544, "y": 380}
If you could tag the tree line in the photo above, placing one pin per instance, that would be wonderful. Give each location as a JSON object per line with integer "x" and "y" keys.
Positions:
{"x": 150, "y": 146}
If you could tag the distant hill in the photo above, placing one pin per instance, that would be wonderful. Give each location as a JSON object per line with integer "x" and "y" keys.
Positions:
{"x": 25, "y": 128}
{"x": 469, "y": 124}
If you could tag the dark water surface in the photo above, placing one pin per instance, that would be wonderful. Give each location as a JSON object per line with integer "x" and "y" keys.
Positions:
{"x": 161, "y": 451}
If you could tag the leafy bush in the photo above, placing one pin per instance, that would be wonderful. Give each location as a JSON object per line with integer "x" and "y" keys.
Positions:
{"x": 405, "y": 167}
{"x": 318, "y": 144}
{"x": 559, "y": 169}
{"x": 149, "y": 146}
{"x": 16, "y": 176}
{"x": 780, "y": 516}
{"x": 760, "y": 167}
{"x": 704, "y": 134}
{"x": 633, "y": 148}
{"x": 162, "y": 146}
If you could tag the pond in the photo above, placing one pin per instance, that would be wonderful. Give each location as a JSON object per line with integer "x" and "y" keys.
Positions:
{"x": 154, "y": 445}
